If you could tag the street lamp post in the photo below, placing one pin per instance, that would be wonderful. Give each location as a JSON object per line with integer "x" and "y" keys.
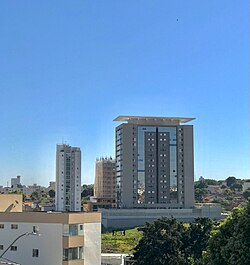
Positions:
{"x": 24, "y": 234}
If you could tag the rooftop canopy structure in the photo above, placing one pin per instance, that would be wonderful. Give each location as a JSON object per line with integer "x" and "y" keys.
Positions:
{"x": 153, "y": 120}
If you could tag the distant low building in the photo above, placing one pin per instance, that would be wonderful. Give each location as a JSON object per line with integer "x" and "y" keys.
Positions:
{"x": 52, "y": 185}
{"x": 246, "y": 185}
{"x": 28, "y": 190}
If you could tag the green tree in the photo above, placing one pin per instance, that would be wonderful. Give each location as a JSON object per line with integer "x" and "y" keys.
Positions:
{"x": 201, "y": 184}
{"x": 35, "y": 196}
{"x": 199, "y": 194}
{"x": 236, "y": 186}
{"x": 230, "y": 181}
{"x": 230, "y": 243}
{"x": 200, "y": 190}
{"x": 52, "y": 193}
{"x": 24, "y": 197}
{"x": 199, "y": 234}
{"x": 160, "y": 244}
{"x": 246, "y": 193}
{"x": 87, "y": 191}
{"x": 167, "y": 241}
{"x": 211, "y": 182}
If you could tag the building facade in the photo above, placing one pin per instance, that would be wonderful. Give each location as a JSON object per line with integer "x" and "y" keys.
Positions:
{"x": 154, "y": 162}
{"x": 105, "y": 179}
{"x": 51, "y": 238}
{"x": 68, "y": 178}
{"x": 15, "y": 182}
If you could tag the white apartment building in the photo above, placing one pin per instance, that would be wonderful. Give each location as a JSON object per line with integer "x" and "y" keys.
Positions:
{"x": 51, "y": 238}
{"x": 68, "y": 178}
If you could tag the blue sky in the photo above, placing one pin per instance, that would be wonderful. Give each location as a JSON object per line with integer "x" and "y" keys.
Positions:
{"x": 68, "y": 68}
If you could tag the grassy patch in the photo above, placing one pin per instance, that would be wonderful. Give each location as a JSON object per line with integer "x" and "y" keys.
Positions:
{"x": 119, "y": 243}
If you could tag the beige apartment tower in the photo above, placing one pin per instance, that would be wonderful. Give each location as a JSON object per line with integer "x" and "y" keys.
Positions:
{"x": 105, "y": 180}
{"x": 154, "y": 162}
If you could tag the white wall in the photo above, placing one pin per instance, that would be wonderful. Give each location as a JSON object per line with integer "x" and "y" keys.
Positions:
{"x": 49, "y": 243}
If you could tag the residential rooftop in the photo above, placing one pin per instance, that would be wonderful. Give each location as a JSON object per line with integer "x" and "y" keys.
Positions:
{"x": 149, "y": 120}
{"x": 51, "y": 217}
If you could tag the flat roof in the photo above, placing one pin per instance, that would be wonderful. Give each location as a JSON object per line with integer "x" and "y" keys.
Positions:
{"x": 51, "y": 217}
{"x": 150, "y": 118}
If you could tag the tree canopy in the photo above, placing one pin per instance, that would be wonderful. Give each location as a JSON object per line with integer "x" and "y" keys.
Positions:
{"x": 230, "y": 242}
{"x": 87, "y": 191}
{"x": 230, "y": 181}
{"x": 52, "y": 193}
{"x": 169, "y": 242}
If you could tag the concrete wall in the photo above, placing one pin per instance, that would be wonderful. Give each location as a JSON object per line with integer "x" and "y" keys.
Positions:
{"x": 92, "y": 244}
{"x": 128, "y": 218}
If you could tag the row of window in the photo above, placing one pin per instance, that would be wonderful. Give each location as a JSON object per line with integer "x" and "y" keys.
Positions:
{"x": 12, "y": 226}
{"x": 15, "y": 226}
{"x": 73, "y": 253}
{"x": 73, "y": 230}
{"x": 35, "y": 251}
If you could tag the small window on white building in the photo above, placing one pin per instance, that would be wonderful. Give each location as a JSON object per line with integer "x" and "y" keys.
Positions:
{"x": 1, "y": 247}
{"x": 13, "y": 248}
{"x": 14, "y": 226}
{"x": 1, "y": 226}
{"x": 35, "y": 252}
{"x": 36, "y": 229}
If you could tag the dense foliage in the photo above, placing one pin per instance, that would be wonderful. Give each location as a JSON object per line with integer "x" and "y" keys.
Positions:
{"x": 87, "y": 191}
{"x": 231, "y": 181}
{"x": 169, "y": 242}
{"x": 200, "y": 188}
{"x": 230, "y": 242}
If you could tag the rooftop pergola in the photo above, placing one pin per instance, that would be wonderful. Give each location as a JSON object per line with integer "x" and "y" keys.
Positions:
{"x": 153, "y": 120}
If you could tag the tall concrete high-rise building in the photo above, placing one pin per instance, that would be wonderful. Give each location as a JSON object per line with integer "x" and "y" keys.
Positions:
{"x": 105, "y": 180}
{"x": 154, "y": 162}
{"x": 68, "y": 178}
{"x": 15, "y": 182}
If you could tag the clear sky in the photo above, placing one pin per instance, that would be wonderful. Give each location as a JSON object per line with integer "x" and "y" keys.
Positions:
{"x": 68, "y": 68}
